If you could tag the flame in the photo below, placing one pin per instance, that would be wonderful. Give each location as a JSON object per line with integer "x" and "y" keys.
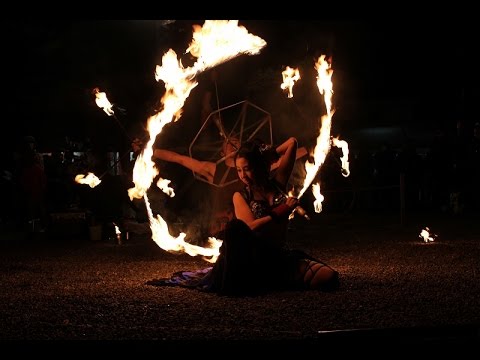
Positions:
{"x": 163, "y": 185}
{"x": 426, "y": 235}
{"x": 220, "y": 40}
{"x": 290, "y": 76}
{"x": 143, "y": 173}
{"x": 118, "y": 234}
{"x": 213, "y": 43}
{"x": 344, "y": 146}
{"x": 324, "y": 82}
{"x": 163, "y": 239}
{"x": 91, "y": 179}
{"x": 102, "y": 102}
{"x": 318, "y": 198}
{"x": 325, "y": 87}
{"x": 319, "y": 154}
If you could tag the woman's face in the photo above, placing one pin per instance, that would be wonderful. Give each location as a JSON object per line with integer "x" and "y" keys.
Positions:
{"x": 244, "y": 171}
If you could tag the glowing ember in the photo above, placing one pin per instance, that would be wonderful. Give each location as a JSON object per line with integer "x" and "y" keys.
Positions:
{"x": 426, "y": 235}
{"x": 290, "y": 76}
{"x": 102, "y": 102}
{"x": 91, "y": 179}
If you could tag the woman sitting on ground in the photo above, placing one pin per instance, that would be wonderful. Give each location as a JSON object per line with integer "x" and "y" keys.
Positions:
{"x": 257, "y": 257}
{"x": 254, "y": 257}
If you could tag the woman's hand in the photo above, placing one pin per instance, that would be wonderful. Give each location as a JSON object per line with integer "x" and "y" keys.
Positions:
{"x": 292, "y": 202}
{"x": 283, "y": 211}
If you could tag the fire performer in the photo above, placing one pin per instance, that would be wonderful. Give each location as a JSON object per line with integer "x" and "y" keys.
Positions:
{"x": 222, "y": 176}
{"x": 254, "y": 256}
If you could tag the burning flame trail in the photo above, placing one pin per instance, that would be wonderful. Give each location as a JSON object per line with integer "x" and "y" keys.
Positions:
{"x": 213, "y": 43}
{"x": 324, "y": 140}
{"x": 325, "y": 87}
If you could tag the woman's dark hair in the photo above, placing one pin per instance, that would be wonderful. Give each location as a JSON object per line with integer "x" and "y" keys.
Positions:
{"x": 253, "y": 152}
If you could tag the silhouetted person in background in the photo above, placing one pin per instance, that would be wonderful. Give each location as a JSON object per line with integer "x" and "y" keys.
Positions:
{"x": 32, "y": 182}
{"x": 410, "y": 164}
{"x": 438, "y": 167}
{"x": 472, "y": 172}
{"x": 385, "y": 176}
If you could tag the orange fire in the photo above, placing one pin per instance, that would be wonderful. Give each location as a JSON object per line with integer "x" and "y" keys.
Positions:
{"x": 91, "y": 179}
{"x": 317, "y": 204}
{"x": 324, "y": 84}
{"x": 290, "y": 76}
{"x": 118, "y": 234}
{"x": 220, "y": 40}
{"x": 427, "y": 235}
{"x": 342, "y": 144}
{"x": 102, "y": 102}
{"x": 324, "y": 140}
{"x": 213, "y": 43}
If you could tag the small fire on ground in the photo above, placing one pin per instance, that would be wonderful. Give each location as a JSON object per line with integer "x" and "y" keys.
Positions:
{"x": 427, "y": 235}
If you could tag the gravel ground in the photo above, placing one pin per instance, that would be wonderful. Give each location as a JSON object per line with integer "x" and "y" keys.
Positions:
{"x": 395, "y": 289}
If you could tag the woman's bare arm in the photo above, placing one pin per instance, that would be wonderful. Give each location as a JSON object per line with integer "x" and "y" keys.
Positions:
{"x": 287, "y": 152}
{"x": 205, "y": 169}
{"x": 301, "y": 152}
{"x": 243, "y": 212}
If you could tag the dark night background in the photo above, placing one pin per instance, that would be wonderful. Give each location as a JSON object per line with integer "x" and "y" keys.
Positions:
{"x": 399, "y": 85}
{"x": 401, "y": 81}
{"x": 407, "y": 73}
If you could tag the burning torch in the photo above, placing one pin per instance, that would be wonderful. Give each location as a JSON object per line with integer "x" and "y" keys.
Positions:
{"x": 102, "y": 102}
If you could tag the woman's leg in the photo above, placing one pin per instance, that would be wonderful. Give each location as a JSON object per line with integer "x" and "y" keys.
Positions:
{"x": 318, "y": 276}
{"x": 235, "y": 272}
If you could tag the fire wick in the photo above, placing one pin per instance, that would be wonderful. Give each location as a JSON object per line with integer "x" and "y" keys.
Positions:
{"x": 298, "y": 209}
